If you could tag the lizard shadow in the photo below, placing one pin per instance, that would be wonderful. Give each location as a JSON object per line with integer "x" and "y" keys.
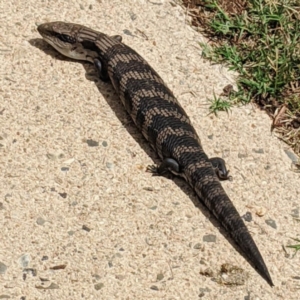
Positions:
{"x": 112, "y": 99}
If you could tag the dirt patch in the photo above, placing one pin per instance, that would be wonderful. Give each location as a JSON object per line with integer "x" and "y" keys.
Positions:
{"x": 201, "y": 15}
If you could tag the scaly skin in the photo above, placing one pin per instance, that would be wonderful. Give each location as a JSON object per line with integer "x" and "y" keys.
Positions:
{"x": 163, "y": 122}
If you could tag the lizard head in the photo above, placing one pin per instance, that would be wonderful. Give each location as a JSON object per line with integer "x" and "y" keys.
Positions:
{"x": 72, "y": 40}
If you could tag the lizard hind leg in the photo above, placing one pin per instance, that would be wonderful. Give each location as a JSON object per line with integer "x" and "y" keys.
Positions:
{"x": 168, "y": 165}
{"x": 219, "y": 165}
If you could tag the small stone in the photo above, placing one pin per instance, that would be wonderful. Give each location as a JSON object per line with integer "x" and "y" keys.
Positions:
{"x": 98, "y": 286}
{"x": 154, "y": 288}
{"x": 198, "y": 246}
{"x": 53, "y": 286}
{"x": 51, "y": 156}
{"x": 150, "y": 189}
{"x": 109, "y": 165}
{"x": 40, "y": 221}
{"x": 92, "y": 143}
{"x": 295, "y": 213}
{"x": 292, "y": 156}
{"x": 120, "y": 277}
{"x": 45, "y": 257}
{"x": 128, "y": 32}
{"x": 58, "y": 267}
{"x": 260, "y": 211}
{"x": 104, "y": 144}
{"x": 271, "y": 223}
{"x": 159, "y": 277}
{"x": 65, "y": 169}
{"x": 31, "y": 271}
{"x": 207, "y": 272}
{"x": 96, "y": 276}
{"x": 242, "y": 155}
{"x": 210, "y": 238}
{"x": 204, "y": 290}
{"x": 4, "y": 297}
{"x": 3, "y": 268}
{"x": 153, "y": 207}
{"x": 24, "y": 260}
{"x": 84, "y": 227}
{"x": 63, "y": 195}
{"x": 260, "y": 150}
{"x": 247, "y": 216}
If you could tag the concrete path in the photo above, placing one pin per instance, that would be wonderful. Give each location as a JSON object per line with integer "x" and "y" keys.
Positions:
{"x": 79, "y": 216}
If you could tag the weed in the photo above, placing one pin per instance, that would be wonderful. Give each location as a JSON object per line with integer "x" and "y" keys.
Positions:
{"x": 296, "y": 247}
{"x": 218, "y": 104}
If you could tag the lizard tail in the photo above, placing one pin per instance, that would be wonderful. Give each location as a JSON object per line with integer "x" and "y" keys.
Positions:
{"x": 212, "y": 194}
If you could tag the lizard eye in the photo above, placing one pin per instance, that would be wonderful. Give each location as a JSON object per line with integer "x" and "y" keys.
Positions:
{"x": 66, "y": 38}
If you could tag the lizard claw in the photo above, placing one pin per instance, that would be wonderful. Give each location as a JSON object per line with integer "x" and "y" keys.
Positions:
{"x": 152, "y": 169}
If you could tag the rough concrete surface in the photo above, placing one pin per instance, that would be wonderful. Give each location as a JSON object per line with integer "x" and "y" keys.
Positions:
{"x": 80, "y": 218}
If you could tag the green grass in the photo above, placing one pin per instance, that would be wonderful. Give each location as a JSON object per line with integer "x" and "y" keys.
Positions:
{"x": 263, "y": 45}
{"x": 218, "y": 104}
{"x": 296, "y": 247}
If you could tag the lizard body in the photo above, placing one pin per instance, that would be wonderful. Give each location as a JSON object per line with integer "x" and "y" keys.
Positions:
{"x": 162, "y": 120}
